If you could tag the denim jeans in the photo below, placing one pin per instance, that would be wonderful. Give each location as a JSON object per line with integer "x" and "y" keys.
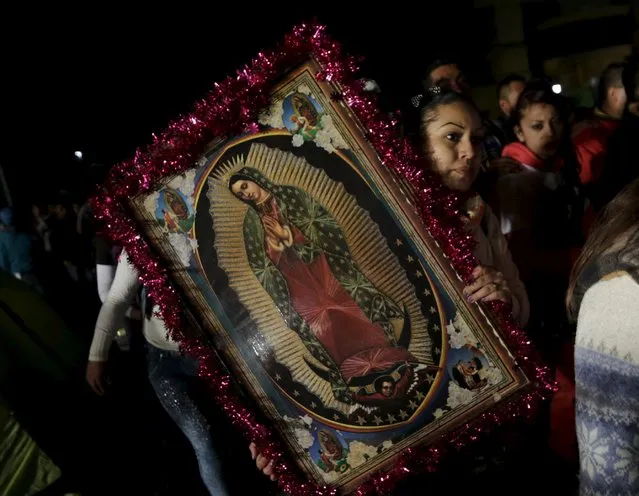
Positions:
{"x": 170, "y": 374}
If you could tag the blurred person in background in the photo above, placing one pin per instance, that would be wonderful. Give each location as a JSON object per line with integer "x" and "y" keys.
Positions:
{"x": 106, "y": 261}
{"x": 623, "y": 148}
{"x": 16, "y": 249}
{"x": 508, "y": 91}
{"x": 41, "y": 227}
{"x": 66, "y": 244}
{"x": 172, "y": 374}
{"x": 590, "y": 137}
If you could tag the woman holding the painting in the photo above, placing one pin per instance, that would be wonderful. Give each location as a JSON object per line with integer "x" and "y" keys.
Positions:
{"x": 451, "y": 135}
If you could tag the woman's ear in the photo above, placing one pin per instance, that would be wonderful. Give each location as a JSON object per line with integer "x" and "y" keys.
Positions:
{"x": 519, "y": 133}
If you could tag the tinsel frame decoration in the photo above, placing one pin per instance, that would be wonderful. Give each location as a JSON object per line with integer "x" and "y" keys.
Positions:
{"x": 233, "y": 108}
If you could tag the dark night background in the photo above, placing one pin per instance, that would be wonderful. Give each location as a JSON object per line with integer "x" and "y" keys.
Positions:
{"x": 101, "y": 79}
{"x": 104, "y": 85}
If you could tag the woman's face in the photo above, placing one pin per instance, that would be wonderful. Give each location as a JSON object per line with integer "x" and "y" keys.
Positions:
{"x": 540, "y": 129}
{"x": 454, "y": 137}
{"x": 247, "y": 190}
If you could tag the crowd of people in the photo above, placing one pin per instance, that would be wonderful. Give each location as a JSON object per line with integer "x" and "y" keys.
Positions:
{"x": 540, "y": 195}
{"x": 51, "y": 248}
{"x": 548, "y": 209}
{"x": 552, "y": 200}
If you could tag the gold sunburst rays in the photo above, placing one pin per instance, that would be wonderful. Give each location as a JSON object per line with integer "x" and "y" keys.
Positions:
{"x": 367, "y": 245}
{"x": 224, "y": 172}
{"x": 228, "y": 218}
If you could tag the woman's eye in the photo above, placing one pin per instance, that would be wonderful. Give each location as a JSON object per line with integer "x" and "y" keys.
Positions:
{"x": 454, "y": 137}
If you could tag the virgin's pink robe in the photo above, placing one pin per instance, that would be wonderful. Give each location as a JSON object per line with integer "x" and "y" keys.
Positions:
{"x": 358, "y": 346}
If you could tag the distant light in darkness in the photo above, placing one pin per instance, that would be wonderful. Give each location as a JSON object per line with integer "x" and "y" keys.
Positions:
{"x": 556, "y": 88}
{"x": 78, "y": 154}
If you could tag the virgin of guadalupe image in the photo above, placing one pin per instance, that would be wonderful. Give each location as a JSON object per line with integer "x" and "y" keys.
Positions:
{"x": 332, "y": 453}
{"x": 176, "y": 204}
{"x": 306, "y": 116}
{"x": 301, "y": 258}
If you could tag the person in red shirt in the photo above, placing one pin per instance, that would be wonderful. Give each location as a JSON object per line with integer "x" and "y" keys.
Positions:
{"x": 538, "y": 199}
{"x": 622, "y": 166}
{"x": 590, "y": 137}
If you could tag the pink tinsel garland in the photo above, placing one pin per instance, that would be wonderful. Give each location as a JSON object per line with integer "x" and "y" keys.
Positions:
{"x": 231, "y": 108}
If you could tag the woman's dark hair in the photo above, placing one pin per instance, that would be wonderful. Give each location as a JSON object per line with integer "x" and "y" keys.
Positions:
{"x": 539, "y": 92}
{"x": 427, "y": 79}
{"x": 427, "y": 109}
{"x": 619, "y": 217}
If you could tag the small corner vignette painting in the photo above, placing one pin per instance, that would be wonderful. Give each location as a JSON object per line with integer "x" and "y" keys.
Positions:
{"x": 305, "y": 261}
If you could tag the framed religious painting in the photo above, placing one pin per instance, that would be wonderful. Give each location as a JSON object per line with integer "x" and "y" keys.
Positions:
{"x": 305, "y": 260}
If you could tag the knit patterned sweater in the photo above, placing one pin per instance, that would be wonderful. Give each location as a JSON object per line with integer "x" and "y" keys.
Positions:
{"x": 607, "y": 387}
